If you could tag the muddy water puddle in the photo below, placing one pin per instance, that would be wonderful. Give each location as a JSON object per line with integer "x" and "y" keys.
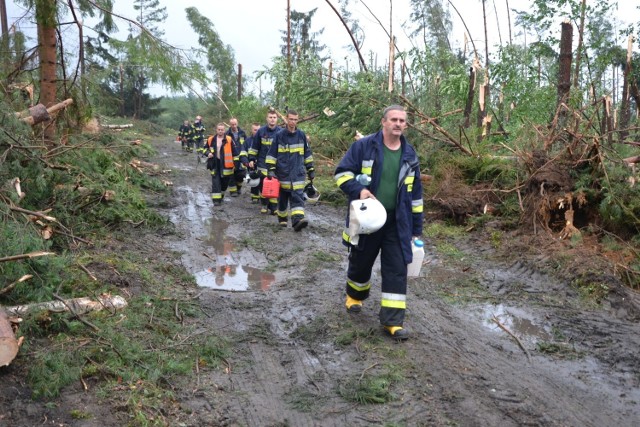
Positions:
{"x": 518, "y": 321}
{"x": 229, "y": 274}
{"x": 212, "y": 253}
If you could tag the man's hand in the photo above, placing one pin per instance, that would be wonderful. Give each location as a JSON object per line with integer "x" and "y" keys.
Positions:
{"x": 251, "y": 164}
{"x": 366, "y": 194}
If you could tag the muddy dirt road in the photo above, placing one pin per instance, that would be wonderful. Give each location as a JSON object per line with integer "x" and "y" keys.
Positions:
{"x": 300, "y": 359}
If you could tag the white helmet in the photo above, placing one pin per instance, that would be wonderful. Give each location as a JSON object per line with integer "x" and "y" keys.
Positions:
{"x": 252, "y": 178}
{"x": 366, "y": 216}
{"x": 311, "y": 193}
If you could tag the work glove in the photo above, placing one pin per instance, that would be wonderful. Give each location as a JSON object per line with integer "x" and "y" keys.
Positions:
{"x": 311, "y": 174}
{"x": 271, "y": 174}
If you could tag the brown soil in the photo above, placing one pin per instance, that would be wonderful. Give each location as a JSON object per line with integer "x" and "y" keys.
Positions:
{"x": 299, "y": 359}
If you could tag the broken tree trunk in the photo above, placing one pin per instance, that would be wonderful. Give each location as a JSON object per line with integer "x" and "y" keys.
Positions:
{"x": 77, "y": 305}
{"x": 469, "y": 105}
{"x": 39, "y": 114}
{"x": 564, "y": 72}
{"x": 625, "y": 112}
{"x": 8, "y": 342}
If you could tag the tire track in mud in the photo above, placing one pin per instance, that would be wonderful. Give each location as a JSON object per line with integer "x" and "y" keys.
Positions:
{"x": 460, "y": 369}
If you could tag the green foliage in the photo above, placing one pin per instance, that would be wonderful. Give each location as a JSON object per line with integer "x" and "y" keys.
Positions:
{"x": 220, "y": 57}
{"x": 371, "y": 388}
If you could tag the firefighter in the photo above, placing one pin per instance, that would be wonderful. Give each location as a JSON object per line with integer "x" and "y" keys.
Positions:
{"x": 290, "y": 160}
{"x": 255, "y": 191}
{"x": 198, "y": 134}
{"x": 184, "y": 133}
{"x": 392, "y": 164}
{"x": 239, "y": 137}
{"x": 220, "y": 151}
{"x": 258, "y": 155}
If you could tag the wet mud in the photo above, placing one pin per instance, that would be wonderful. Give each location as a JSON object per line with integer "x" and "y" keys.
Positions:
{"x": 494, "y": 340}
{"x": 498, "y": 337}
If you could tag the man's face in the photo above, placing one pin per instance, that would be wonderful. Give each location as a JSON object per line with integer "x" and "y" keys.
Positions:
{"x": 272, "y": 119}
{"x": 254, "y": 129}
{"x": 233, "y": 123}
{"x": 395, "y": 122}
{"x": 220, "y": 130}
{"x": 292, "y": 122}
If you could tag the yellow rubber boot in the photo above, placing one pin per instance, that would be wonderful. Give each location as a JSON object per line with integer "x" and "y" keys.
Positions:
{"x": 353, "y": 305}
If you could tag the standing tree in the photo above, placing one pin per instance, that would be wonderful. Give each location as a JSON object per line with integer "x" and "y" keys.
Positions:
{"x": 304, "y": 42}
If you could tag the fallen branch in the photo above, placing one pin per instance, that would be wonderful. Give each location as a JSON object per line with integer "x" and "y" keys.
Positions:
{"x": 504, "y": 328}
{"x": 25, "y": 256}
{"x": 79, "y": 305}
{"x": 34, "y": 213}
{"x": 126, "y": 126}
{"x": 13, "y": 285}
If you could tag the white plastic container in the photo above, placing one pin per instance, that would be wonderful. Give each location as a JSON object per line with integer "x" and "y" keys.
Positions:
{"x": 413, "y": 269}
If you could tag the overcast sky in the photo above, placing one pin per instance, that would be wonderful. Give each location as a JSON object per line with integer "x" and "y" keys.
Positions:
{"x": 252, "y": 27}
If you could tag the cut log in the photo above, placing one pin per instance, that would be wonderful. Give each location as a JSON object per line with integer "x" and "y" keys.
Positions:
{"x": 8, "y": 342}
{"x": 38, "y": 115}
{"x": 78, "y": 305}
{"x": 128, "y": 125}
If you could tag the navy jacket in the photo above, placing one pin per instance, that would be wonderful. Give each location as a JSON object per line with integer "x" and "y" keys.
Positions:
{"x": 366, "y": 156}
{"x": 290, "y": 157}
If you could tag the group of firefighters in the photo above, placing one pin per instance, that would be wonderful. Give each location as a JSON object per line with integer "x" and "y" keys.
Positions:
{"x": 279, "y": 156}
{"x": 272, "y": 154}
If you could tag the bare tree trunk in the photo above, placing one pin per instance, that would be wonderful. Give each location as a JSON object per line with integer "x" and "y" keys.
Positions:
{"x": 46, "y": 16}
{"x": 564, "y": 73}
{"x": 486, "y": 37}
{"x": 391, "y": 47}
{"x": 363, "y": 65}
{"x": 239, "y": 82}
{"x": 121, "y": 90}
{"x": 509, "y": 19}
{"x": 288, "y": 36}
{"x": 3, "y": 18}
{"x": 470, "y": 95}
{"x": 625, "y": 114}
{"x": 576, "y": 73}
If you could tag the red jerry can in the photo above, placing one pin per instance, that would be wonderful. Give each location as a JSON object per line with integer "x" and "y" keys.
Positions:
{"x": 270, "y": 188}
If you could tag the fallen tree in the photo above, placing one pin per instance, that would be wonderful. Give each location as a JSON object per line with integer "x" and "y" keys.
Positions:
{"x": 76, "y": 305}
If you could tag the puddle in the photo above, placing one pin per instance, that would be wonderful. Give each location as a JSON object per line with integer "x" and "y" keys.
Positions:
{"x": 235, "y": 278}
{"x": 228, "y": 274}
{"x": 515, "y": 320}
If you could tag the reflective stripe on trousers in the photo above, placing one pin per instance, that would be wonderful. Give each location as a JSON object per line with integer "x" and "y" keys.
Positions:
{"x": 393, "y": 271}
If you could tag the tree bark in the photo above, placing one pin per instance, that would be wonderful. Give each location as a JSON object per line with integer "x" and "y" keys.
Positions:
{"x": 564, "y": 73}
{"x": 46, "y": 16}
{"x": 8, "y": 342}
{"x": 470, "y": 95}
{"x": 77, "y": 305}
{"x": 625, "y": 114}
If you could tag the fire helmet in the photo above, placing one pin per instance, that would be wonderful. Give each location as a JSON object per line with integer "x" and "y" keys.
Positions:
{"x": 366, "y": 216}
{"x": 311, "y": 193}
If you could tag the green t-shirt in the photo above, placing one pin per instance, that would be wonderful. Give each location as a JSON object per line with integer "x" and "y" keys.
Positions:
{"x": 387, "y": 192}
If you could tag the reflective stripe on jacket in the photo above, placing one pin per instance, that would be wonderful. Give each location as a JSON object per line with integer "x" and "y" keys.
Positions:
{"x": 290, "y": 157}
{"x": 366, "y": 156}
{"x": 260, "y": 146}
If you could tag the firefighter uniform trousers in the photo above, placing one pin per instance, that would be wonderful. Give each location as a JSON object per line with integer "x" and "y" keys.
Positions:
{"x": 295, "y": 200}
{"x": 394, "y": 272}
{"x": 219, "y": 181}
